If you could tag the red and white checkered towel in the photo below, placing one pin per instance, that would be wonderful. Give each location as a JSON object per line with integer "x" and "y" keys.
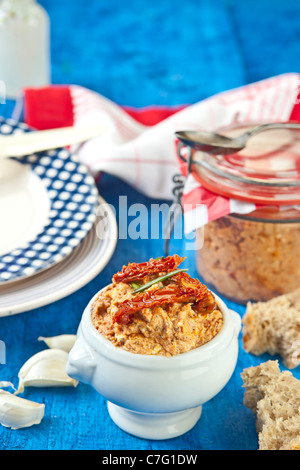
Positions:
{"x": 139, "y": 146}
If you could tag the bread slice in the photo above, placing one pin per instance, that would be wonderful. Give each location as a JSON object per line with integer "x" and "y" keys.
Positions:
{"x": 274, "y": 327}
{"x": 275, "y": 397}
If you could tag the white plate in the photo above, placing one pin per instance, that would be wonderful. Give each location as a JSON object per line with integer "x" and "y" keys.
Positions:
{"x": 56, "y": 282}
{"x": 47, "y": 207}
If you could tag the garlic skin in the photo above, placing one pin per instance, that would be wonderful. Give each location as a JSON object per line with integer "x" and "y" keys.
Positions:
{"x": 6, "y": 384}
{"x": 45, "y": 369}
{"x": 16, "y": 412}
{"x": 64, "y": 342}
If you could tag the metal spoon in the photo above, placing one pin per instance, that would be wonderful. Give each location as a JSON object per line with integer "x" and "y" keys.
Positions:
{"x": 218, "y": 144}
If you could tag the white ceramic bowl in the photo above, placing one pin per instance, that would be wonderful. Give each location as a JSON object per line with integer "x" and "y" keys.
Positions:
{"x": 155, "y": 397}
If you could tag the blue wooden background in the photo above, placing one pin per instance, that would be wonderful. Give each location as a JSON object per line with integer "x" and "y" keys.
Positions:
{"x": 139, "y": 53}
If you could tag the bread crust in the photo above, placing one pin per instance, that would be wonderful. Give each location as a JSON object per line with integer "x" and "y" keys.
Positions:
{"x": 275, "y": 398}
{"x": 274, "y": 327}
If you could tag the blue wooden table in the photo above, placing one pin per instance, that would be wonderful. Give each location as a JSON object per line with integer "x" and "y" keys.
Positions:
{"x": 147, "y": 52}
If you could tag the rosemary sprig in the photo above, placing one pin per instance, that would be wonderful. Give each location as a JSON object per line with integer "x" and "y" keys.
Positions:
{"x": 158, "y": 279}
{"x": 135, "y": 285}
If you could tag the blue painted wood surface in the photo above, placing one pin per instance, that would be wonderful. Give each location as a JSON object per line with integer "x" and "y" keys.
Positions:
{"x": 142, "y": 53}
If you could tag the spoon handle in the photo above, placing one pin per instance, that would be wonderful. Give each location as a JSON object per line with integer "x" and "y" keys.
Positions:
{"x": 272, "y": 125}
{"x": 26, "y": 143}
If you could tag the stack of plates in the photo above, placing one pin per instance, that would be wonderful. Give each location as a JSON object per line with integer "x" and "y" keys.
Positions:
{"x": 51, "y": 243}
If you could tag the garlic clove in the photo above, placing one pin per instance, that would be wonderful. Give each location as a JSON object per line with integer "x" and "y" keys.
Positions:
{"x": 6, "y": 384}
{"x": 45, "y": 369}
{"x": 16, "y": 412}
{"x": 64, "y": 342}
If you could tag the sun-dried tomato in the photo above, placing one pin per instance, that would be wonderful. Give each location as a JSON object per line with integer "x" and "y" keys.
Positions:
{"x": 206, "y": 303}
{"x": 186, "y": 289}
{"x": 137, "y": 271}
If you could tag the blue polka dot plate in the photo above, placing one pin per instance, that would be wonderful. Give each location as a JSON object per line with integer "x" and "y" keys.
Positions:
{"x": 47, "y": 207}
{"x": 84, "y": 263}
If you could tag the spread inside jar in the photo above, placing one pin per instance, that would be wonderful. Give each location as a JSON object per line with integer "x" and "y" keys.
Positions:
{"x": 155, "y": 308}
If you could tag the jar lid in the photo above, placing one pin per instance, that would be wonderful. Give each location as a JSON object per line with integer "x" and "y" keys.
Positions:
{"x": 266, "y": 172}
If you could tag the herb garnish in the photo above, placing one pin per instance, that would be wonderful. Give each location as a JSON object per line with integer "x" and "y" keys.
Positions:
{"x": 156, "y": 280}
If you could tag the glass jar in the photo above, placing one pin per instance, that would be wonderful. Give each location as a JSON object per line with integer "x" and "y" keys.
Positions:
{"x": 250, "y": 258}
{"x": 256, "y": 256}
{"x": 24, "y": 46}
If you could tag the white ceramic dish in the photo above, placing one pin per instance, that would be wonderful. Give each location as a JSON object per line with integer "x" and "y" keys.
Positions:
{"x": 79, "y": 268}
{"x": 155, "y": 397}
{"x": 47, "y": 207}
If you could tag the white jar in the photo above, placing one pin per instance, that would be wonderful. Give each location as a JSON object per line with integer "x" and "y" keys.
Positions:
{"x": 155, "y": 397}
{"x": 24, "y": 46}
